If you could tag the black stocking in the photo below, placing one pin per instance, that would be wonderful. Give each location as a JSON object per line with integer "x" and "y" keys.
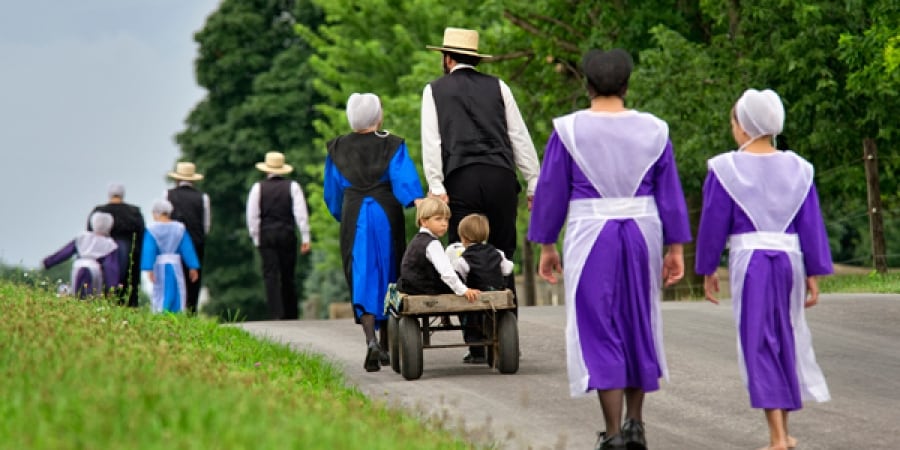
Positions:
{"x": 368, "y": 324}
{"x": 634, "y": 399}
{"x": 611, "y": 401}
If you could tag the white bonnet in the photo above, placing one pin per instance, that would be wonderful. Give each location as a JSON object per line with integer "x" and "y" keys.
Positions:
{"x": 115, "y": 190}
{"x": 760, "y": 113}
{"x": 102, "y": 222}
{"x": 161, "y": 207}
{"x": 363, "y": 111}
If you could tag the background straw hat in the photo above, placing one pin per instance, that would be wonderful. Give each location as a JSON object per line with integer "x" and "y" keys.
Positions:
{"x": 461, "y": 41}
{"x": 185, "y": 171}
{"x": 274, "y": 163}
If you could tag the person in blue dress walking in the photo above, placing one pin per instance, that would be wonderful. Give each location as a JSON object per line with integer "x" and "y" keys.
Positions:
{"x": 369, "y": 180}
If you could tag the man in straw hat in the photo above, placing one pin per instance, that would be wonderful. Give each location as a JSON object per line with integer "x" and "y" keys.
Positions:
{"x": 473, "y": 138}
{"x": 191, "y": 208}
{"x": 275, "y": 207}
{"x": 128, "y": 232}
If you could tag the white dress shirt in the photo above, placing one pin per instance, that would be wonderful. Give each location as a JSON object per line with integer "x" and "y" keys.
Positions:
{"x": 300, "y": 214}
{"x": 524, "y": 154}
{"x": 435, "y": 254}
{"x": 462, "y": 267}
{"x": 207, "y": 216}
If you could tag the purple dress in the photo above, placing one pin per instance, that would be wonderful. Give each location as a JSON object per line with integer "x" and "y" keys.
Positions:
{"x": 611, "y": 179}
{"x": 776, "y": 239}
{"x": 96, "y": 266}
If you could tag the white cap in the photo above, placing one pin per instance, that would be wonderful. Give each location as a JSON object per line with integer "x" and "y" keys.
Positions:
{"x": 760, "y": 113}
{"x": 363, "y": 111}
{"x": 101, "y": 222}
{"x": 116, "y": 190}
{"x": 162, "y": 206}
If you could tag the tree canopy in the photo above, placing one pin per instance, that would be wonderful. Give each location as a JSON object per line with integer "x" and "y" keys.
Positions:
{"x": 279, "y": 73}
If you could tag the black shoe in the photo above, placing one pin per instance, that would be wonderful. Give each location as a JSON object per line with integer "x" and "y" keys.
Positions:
{"x": 385, "y": 358}
{"x": 633, "y": 432}
{"x": 610, "y": 443}
{"x": 474, "y": 359}
{"x": 373, "y": 355}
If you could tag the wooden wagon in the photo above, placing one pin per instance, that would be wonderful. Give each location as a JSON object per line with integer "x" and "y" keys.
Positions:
{"x": 410, "y": 328}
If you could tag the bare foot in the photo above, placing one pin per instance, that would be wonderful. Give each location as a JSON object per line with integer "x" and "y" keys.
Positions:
{"x": 791, "y": 442}
{"x": 775, "y": 447}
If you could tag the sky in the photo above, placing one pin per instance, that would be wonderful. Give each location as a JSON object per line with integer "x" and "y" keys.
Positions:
{"x": 91, "y": 92}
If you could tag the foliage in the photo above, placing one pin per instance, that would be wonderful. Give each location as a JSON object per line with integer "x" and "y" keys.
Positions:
{"x": 259, "y": 99}
{"x": 80, "y": 374}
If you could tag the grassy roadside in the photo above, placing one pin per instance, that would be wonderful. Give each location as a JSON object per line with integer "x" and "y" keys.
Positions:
{"x": 79, "y": 375}
{"x": 888, "y": 283}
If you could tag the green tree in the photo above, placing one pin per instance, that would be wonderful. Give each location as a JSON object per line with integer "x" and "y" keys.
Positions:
{"x": 259, "y": 99}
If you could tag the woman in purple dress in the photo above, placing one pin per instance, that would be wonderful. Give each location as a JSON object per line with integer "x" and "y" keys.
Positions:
{"x": 763, "y": 203}
{"x": 95, "y": 271}
{"x": 612, "y": 171}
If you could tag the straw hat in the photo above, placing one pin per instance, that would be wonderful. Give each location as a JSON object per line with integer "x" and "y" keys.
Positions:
{"x": 274, "y": 163}
{"x": 185, "y": 171}
{"x": 461, "y": 41}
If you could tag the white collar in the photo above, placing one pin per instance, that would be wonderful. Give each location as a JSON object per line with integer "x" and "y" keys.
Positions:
{"x": 426, "y": 230}
{"x": 461, "y": 66}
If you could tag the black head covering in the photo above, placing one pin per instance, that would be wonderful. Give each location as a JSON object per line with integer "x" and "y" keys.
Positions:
{"x": 607, "y": 72}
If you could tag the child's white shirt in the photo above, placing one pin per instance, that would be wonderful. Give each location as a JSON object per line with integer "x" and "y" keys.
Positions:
{"x": 436, "y": 256}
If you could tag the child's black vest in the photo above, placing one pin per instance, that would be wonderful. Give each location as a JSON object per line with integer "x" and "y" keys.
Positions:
{"x": 417, "y": 274}
{"x": 485, "y": 273}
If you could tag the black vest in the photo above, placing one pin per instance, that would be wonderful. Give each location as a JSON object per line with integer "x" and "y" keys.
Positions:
{"x": 276, "y": 207}
{"x": 128, "y": 224}
{"x": 484, "y": 268}
{"x": 363, "y": 160}
{"x": 417, "y": 274}
{"x": 187, "y": 208}
{"x": 471, "y": 120}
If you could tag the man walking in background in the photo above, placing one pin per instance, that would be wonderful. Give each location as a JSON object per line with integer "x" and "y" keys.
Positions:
{"x": 191, "y": 208}
{"x": 128, "y": 232}
{"x": 276, "y": 207}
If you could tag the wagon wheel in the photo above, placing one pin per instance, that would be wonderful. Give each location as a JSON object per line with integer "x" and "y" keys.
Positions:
{"x": 508, "y": 343}
{"x": 394, "y": 342}
{"x": 410, "y": 348}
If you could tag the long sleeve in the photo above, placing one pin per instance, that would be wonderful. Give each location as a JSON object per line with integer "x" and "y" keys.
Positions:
{"x": 715, "y": 225}
{"x": 506, "y": 266}
{"x": 404, "y": 177}
{"x": 432, "y": 164}
{"x": 524, "y": 154}
{"x": 253, "y": 212}
{"x": 551, "y": 198}
{"x": 333, "y": 187}
{"x": 813, "y": 238}
{"x": 301, "y": 214}
{"x": 149, "y": 251}
{"x": 188, "y": 253}
{"x": 670, "y": 199}
{"x": 61, "y": 255}
{"x": 435, "y": 254}
{"x": 207, "y": 215}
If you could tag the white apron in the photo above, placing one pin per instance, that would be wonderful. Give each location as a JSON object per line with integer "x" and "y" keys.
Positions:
{"x": 615, "y": 169}
{"x": 90, "y": 247}
{"x": 168, "y": 238}
{"x": 772, "y": 207}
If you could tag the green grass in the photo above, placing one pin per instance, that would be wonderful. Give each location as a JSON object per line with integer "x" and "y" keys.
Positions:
{"x": 89, "y": 375}
{"x": 873, "y": 282}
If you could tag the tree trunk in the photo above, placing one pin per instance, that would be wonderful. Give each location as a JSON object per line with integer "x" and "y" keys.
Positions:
{"x": 876, "y": 218}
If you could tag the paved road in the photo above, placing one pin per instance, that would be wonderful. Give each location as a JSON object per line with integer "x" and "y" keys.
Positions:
{"x": 856, "y": 337}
